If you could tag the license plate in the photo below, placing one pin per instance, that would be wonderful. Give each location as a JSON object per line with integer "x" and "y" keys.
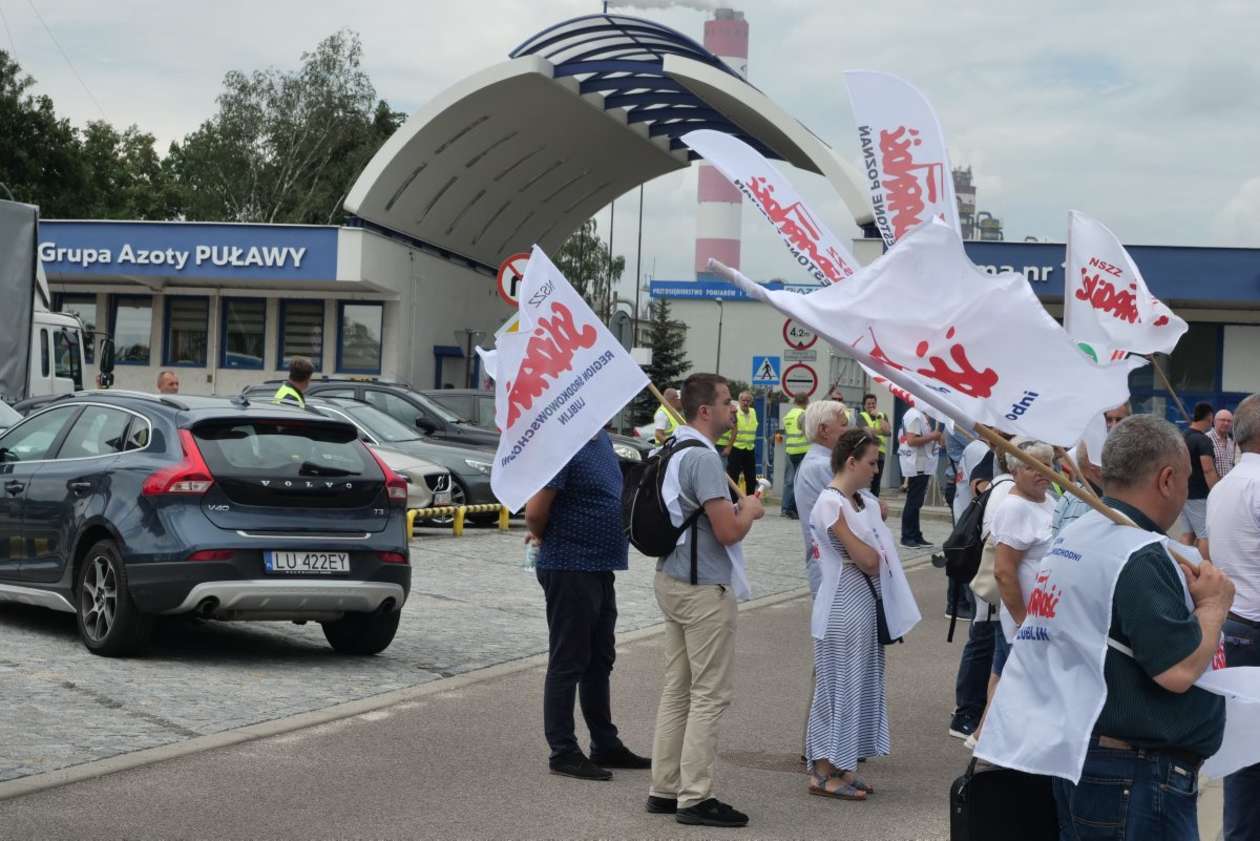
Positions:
{"x": 441, "y": 498}
{"x": 317, "y": 562}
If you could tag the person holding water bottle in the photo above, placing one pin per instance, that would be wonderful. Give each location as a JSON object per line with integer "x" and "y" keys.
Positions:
{"x": 577, "y": 544}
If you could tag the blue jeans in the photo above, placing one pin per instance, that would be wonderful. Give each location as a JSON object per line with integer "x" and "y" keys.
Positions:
{"x": 1242, "y": 788}
{"x": 916, "y": 491}
{"x": 1129, "y": 796}
{"x": 972, "y": 684}
{"x": 789, "y": 478}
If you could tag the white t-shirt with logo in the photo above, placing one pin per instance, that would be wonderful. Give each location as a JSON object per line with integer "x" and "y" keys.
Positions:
{"x": 915, "y": 460}
{"x": 1023, "y": 525}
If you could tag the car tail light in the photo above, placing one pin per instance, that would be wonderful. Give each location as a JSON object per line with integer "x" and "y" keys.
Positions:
{"x": 395, "y": 485}
{"x": 211, "y": 555}
{"x": 392, "y": 557}
{"x": 190, "y": 477}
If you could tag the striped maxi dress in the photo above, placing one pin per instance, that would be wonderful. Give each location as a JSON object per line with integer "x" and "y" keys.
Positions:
{"x": 849, "y": 717}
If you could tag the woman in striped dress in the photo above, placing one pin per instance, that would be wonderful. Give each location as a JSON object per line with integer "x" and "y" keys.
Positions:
{"x": 848, "y": 721}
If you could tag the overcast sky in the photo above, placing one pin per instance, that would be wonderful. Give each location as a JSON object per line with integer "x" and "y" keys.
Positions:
{"x": 1144, "y": 115}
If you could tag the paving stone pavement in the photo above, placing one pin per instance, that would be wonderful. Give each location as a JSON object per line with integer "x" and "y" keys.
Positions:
{"x": 471, "y": 606}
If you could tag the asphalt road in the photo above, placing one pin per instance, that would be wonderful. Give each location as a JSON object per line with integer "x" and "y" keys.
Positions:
{"x": 466, "y": 758}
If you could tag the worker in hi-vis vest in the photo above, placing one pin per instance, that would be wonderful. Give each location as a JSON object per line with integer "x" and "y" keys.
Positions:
{"x": 293, "y": 392}
{"x": 877, "y": 423}
{"x": 663, "y": 422}
{"x": 724, "y": 440}
{"x": 795, "y": 445}
{"x": 741, "y": 453}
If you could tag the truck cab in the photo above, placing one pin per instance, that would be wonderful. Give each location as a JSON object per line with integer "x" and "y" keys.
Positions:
{"x": 57, "y": 360}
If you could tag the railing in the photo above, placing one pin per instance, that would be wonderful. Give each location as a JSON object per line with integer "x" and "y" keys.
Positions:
{"x": 458, "y": 512}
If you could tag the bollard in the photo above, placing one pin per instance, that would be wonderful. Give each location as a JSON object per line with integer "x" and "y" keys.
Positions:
{"x": 504, "y": 516}
{"x": 411, "y": 523}
{"x": 459, "y": 520}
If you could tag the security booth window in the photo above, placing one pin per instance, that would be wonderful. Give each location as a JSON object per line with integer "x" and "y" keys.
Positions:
{"x": 187, "y": 331}
{"x": 359, "y": 338}
{"x": 244, "y": 332}
{"x": 84, "y": 306}
{"x": 301, "y": 332}
{"x": 132, "y": 318}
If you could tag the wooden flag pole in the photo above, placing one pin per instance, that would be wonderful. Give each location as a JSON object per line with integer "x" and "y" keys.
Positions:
{"x": 681, "y": 421}
{"x": 1163, "y": 379}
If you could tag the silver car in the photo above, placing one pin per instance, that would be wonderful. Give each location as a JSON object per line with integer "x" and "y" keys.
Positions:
{"x": 428, "y": 485}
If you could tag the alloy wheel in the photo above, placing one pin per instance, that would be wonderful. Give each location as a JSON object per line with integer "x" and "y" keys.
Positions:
{"x": 98, "y": 601}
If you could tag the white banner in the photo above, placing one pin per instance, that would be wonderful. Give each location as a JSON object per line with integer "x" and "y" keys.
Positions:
{"x": 903, "y": 154}
{"x": 979, "y": 348}
{"x": 561, "y": 377}
{"x": 1107, "y": 308}
{"x": 820, "y": 252}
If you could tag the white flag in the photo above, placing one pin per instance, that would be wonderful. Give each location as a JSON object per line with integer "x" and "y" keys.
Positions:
{"x": 978, "y": 348}
{"x": 1107, "y": 308}
{"x": 903, "y": 154}
{"x": 813, "y": 245}
{"x": 560, "y": 378}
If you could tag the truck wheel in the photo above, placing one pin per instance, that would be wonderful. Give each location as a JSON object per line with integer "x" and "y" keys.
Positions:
{"x": 109, "y": 622}
{"x": 362, "y": 633}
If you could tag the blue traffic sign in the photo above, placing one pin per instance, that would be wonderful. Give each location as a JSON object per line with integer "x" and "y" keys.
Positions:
{"x": 766, "y": 370}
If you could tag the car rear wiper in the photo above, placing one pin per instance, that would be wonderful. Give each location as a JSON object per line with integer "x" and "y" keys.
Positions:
{"x": 310, "y": 468}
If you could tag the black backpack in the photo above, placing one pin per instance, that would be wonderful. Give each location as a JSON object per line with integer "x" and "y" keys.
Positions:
{"x": 643, "y": 515}
{"x": 963, "y": 549}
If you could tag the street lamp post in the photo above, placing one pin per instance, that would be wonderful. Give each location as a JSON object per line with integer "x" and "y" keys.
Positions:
{"x": 717, "y": 365}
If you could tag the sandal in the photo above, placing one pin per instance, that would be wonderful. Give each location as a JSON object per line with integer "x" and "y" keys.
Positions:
{"x": 858, "y": 783}
{"x": 845, "y": 791}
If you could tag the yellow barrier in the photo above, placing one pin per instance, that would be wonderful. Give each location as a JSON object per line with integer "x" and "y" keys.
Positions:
{"x": 459, "y": 512}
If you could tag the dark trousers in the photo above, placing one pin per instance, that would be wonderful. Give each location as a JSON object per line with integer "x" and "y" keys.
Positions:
{"x": 789, "y": 482}
{"x": 743, "y": 462}
{"x": 916, "y": 492}
{"x": 1242, "y": 788}
{"x": 1129, "y": 795}
{"x": 972, "y": 684}
{"x": 950, "y": 486}
{"x": 581, "y": 616}
{"x": 879, "y": 476}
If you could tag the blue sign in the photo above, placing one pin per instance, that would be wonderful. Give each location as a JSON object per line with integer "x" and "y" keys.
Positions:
{"x": 716, "y": 289}
{"x": 766, "y": 370}
{"x": 188, "y": 250}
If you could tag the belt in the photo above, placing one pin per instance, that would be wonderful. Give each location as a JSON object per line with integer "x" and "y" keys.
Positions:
{"x": 1250, "y": 623}
{"x": 1108, "y": 743}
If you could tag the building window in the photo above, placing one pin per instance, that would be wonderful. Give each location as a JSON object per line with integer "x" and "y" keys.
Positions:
{"x": 359, "y": 338}
{"x": 187, "y": 329}
{"x": 84, "y": 306}
{"x": 1195, "y": 360}
{"x": 243, "y": 333}
{"x": 132, "y": 328}
{"x": 301, "y": 332}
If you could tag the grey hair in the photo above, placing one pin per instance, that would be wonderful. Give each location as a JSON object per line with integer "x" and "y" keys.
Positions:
{"x": 1039, "y": 450}
{"x": 820, "y": 412}
{"x": 1139, "y": 447}
{"x": 1247, "y": 424}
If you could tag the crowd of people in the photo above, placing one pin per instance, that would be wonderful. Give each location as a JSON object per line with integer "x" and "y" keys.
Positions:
{"x": 1154, "y": 729}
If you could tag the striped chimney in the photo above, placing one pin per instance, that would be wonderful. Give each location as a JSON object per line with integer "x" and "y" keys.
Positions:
{"x": 720, "y": 204}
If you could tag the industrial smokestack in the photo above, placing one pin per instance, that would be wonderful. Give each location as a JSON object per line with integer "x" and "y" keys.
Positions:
{"x": 720, "y": 204}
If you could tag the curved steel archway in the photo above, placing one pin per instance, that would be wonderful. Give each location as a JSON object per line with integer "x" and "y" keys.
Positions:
{"x": 523, "y": 151}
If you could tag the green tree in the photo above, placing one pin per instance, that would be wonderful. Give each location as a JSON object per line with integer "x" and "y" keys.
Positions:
{"x": 666, "y": 338}
{"x": 124, "y": 177}
{"x": 583, "y": 260}
{"x": 39, "y": 152}
{"x": 285, "y": 146}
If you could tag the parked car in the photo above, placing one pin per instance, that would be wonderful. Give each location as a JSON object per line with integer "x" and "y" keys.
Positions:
{"x": 477, "y": 408}
{"x": 118, "y": 507}
{"x": 427, "y": 483}
{"x": 469, "y": 466}
{"x": 399, "y": 401}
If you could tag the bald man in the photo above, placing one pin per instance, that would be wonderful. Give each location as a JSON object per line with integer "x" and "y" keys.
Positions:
{"x": 1222, "y": 437}
{"x": 663, "y": 421}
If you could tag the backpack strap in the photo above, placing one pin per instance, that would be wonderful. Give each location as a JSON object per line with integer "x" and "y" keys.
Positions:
{"x": 691, "y": 523}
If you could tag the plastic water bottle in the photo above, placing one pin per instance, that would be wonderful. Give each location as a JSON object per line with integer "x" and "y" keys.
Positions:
{"x": 531, "y": 555}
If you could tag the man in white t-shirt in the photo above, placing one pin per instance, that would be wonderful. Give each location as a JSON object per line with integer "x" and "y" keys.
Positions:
{"x": 917, "y": 448}
{"x": 663, "y": 423}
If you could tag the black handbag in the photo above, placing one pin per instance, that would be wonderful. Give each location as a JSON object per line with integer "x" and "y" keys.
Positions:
{"x": 998, "y": 804}
{"x": 881, "y": 620}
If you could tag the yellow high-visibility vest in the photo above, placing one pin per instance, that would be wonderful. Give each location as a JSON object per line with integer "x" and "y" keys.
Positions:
{"x": 746, "y": 429}
{"x": 725, "y": 438}
{"x": 670, "y": 423}
{"x": 873, "y": 423}
{"x": 288, "y": 394}
{"x": 794, "y": 441}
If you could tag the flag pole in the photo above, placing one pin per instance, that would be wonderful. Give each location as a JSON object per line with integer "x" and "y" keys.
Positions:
{"x": 1163, "y": 379}
{"x": 678, "y": 419}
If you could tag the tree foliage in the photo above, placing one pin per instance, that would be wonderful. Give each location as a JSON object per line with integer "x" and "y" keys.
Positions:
{"x": 666, "y": 337}
{"x": 583, "y": 259}
{"x": 285, "y": 146}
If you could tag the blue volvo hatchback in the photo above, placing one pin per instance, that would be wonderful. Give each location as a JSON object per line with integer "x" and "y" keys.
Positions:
{"x": 121, "y": 506}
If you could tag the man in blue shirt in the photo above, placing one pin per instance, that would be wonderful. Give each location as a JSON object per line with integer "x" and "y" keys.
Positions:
{"x": 576, "y": 518}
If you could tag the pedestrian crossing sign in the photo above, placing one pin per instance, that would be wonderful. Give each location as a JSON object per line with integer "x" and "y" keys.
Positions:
{"x": 765, "y": 370}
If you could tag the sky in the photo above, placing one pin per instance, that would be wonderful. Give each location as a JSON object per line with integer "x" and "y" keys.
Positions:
{"x": 1146, "y": 116}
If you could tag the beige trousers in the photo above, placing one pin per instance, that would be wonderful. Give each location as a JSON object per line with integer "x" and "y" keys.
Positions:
{"x": 697, "y": 687}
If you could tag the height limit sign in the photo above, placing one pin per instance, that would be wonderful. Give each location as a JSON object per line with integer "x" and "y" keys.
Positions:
{"x": 800, "y": 380}
{"x": 797, "y": 336}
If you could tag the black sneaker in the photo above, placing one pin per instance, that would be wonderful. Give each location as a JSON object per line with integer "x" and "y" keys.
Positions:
{"x": 578, "y": 766}
{"x": 661, "y": 805}
{"x": 711, "y": 812}
{"x": 910, "y": 544}
{"x": 961, "y": 728}
{"x": 623, "y": 757}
